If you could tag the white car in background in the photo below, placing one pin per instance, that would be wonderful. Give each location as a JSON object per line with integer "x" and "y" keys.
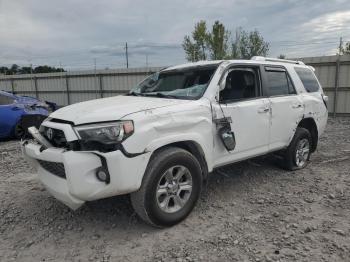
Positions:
{"x": 161, "y": 141}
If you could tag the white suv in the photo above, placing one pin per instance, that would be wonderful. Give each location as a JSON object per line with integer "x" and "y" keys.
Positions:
{"x": 159, "y": 142}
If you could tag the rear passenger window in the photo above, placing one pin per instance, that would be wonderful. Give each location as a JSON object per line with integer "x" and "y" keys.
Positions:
{"x": 278, "y": 82}
{"x": 308, "y": 79}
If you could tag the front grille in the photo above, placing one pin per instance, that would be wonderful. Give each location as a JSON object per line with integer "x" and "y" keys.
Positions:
{"x": 56, "y": 137}
{"x": 54, "y": 168}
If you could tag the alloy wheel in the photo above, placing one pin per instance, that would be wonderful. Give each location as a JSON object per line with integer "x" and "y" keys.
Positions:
{"x": 174, "y": 189}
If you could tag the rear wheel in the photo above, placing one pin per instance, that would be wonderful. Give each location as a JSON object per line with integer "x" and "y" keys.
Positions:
{"x": 298, "y": 152}
{"x": 170, "y": 189}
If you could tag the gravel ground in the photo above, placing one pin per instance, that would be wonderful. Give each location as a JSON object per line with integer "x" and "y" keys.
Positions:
{"x": 252, "y": 211}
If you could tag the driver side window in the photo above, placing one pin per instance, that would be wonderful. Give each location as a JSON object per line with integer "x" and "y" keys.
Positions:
{"x": 241, "y": 84}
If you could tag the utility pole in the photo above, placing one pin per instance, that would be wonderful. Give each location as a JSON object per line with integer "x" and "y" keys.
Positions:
{"x": 147, "y": 60}
{"x": 337, "y": 69}
{"x": 95, "y": 77}
{"x": 340, "y": 46}
{"x": 126, "y": 55}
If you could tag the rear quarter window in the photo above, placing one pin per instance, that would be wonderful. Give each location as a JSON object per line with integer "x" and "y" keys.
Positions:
{"x": 308, "y": 79}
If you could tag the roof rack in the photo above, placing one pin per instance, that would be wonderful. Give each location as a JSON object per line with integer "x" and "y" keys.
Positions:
{"x": 269, "y": 59}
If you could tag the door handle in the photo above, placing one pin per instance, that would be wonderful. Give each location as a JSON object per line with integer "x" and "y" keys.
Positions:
{"x": 296, "y": 106}
{"x": 263, "y": 110}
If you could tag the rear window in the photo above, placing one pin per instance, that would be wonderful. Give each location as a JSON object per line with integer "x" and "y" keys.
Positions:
{"x": 308, "y": 79}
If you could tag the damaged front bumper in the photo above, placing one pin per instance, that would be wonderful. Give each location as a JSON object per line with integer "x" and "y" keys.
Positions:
{"x": 71, "y": 176}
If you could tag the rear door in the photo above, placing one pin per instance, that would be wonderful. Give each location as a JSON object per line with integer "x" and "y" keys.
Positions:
{"x": 286, "y": 107}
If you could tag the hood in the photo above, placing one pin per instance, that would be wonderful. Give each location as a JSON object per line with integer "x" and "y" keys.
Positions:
{"x": 112, "y": 108}
{"x": 26, "y": 100}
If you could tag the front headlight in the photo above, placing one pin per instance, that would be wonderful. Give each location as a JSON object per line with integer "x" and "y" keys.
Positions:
{"x": 106, "y": 133}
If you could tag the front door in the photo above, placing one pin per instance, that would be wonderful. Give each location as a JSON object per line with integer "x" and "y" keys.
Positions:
{"x": 249, "y": 112}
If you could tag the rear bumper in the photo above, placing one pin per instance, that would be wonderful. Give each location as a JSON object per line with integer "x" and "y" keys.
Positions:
{"x": 80, "y": 183}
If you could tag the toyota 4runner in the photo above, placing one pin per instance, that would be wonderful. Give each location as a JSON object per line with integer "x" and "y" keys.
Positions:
{"x": 159, "y": 142}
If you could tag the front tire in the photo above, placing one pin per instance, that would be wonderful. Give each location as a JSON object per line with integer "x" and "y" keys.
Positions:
{"x": 298, "y": 152}
{"x": 19, "y": 131}
{"x": 170, "y": 188}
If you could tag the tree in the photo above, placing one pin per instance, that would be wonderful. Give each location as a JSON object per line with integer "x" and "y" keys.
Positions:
{"x": 218, "y": 41}
{"x": 205, "y": 44}
{"x": 346, "y": 50}
{"x": 47, "y": 69}
{"x": 281, "y": 56}
{"x": 249, "y": 44}
{"x": 217, "y": 44}
{"x": 195, "y": 48}
{"x": 15, "y": 69}
{"x": 25, "y": 70}
{"x": 4, "y": 70}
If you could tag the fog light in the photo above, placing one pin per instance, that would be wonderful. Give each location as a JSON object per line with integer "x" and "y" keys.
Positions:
{"x": 102, "y": 175}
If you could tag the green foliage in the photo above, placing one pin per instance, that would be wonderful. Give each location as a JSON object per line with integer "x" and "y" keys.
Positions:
{"x": 346, "y": 50}
{"x": 206, "y": 44}
{"x": 196, "y": 48}
{"x": 249, "y": 44}
{"x": 17, "y": 70}
{"x": 217, "y": 43}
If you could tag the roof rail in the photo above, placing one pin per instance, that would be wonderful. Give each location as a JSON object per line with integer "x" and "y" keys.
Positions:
{"x": 269, "y": 59}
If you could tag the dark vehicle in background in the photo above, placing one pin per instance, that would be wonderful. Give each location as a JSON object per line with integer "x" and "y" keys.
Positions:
{"x": 17, "y": 113}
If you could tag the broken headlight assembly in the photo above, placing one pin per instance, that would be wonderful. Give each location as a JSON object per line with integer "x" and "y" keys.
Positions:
{"x": 104, "y": 137}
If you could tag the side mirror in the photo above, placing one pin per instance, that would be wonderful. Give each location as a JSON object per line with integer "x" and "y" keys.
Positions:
{"x": 227, "y": 137}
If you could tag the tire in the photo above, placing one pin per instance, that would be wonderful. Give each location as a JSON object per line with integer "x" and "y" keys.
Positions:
{"x": 19, "y": 132}
{"x": 298, "y": 153}
{"x": 164, "y": 209}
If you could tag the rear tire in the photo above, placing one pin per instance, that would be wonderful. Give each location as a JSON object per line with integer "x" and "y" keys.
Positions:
{"x": 170, "y": 188}
{"x": 298, "y": 152}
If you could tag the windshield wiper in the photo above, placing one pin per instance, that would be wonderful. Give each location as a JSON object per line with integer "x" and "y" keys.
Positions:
{"x": 160, "y": 95}
{"x": 134, "y": 94}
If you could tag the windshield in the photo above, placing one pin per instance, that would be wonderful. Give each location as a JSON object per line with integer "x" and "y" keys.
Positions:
{"x": 189, "y": 83}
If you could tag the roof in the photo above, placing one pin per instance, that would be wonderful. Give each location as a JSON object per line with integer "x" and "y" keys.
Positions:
{"x": 256, "y": 60}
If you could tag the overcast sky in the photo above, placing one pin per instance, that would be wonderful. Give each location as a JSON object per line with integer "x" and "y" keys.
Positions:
{"x": 75, "y": 32}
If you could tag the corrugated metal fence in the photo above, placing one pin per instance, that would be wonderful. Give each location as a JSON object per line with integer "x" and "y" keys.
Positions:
{"x": 72, "y": 87}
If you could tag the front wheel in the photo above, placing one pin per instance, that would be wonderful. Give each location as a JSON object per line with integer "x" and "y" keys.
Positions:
{"x": 170, "y": 188}
{"x": 19, "y": 131}
{"x": 298, "y": 152}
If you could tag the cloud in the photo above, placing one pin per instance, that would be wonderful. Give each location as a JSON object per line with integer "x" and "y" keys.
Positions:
{"x": 75, "y": 33}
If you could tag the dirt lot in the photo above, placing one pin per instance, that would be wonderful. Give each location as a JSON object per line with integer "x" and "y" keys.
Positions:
{"x": 252, "y": 211}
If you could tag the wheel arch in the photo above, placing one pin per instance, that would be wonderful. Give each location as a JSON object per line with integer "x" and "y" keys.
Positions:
{"x": 310, "y": 124}
{"x": 194, "y": 148}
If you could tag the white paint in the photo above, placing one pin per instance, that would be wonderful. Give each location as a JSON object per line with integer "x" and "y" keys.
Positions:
{"x": 260, "y": 125}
